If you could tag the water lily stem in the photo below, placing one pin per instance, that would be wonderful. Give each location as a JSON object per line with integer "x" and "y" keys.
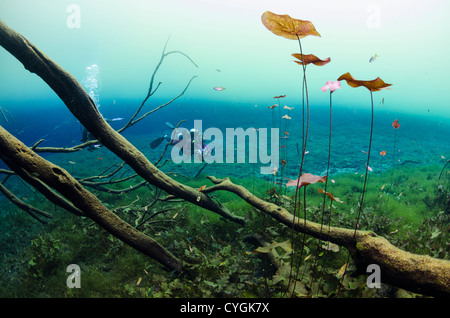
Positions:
{"x": 367, "y": 167}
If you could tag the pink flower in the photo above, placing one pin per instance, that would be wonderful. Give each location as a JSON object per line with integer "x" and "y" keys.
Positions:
{"x": 332, "y": 86}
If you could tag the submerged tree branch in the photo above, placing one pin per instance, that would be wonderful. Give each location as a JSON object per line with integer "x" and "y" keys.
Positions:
{"x": 83, "y": 108}
{"x": 31, "y": 210}
{"x": 418, "y": 273}
{"x": 24, "y": 161}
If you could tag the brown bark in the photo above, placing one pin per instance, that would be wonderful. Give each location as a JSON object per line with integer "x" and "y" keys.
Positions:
{"x": 15, "y": 154}
{"x": 81, "y": 105}
{"x": 418, "y": 273}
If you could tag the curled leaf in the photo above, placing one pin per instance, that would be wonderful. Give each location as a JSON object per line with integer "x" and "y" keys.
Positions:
{"x": 310, "y": 58}
{"x": 287, "y": 27}
{"x": 373, "y": 86}
{"x": 306, "y": 179}
{"x": 342, "y": 270}
{"x": 331, "y": 196}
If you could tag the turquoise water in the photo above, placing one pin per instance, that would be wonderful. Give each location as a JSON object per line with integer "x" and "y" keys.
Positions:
{"x": 229, "y": 48}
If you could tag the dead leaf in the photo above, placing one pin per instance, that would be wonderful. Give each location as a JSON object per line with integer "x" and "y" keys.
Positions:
{"x": 331, "y": 247}
{"x": 342, "y": 270}
{"x": 373, "y": 86}
{"x": 287, "y": 27}
{"x": 306, "y": 179}
{"x": 310, "y": 58}
{"x": 331, "y": 196}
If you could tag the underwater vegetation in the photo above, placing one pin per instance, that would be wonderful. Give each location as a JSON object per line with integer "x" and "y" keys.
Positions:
{"x": 146, "y": 230}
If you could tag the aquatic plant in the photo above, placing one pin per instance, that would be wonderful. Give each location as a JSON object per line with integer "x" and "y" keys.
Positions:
{"x": 292, "y": 29}
{"x": 365, "y": 247}
{"x": 295, "y": 29}
{"x": 373, "y": 86}
{"x": 396, "y": 126}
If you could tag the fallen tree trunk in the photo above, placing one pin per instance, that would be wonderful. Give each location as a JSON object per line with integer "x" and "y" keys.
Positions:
{"x": 24, "y": 161}
{"x": 418, "y": 273}
{"x": 83, "y": 108}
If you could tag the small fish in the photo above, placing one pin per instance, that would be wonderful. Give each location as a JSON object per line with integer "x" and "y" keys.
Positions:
{"x": 286, "y": 117}
{"x": 289, "y": 108}
{"x": 202, "y": 188}
{"x": 219, "y": 88}
{"x": 286, "y": 133}
{"x": 175, "y": 215}
{"x": 373, "y": 58}
{"x": 139, "y": 281}
{"x": 72, "y": 162}
{"x": 369, "y": 168}
{"x": 273, "y": 106}
{"x": 117, "y": 119}
{"x": 283, "y": 146}
{"x": 217, "y": 70}
{"x": 100, "y": 158}
{"x": 383, "y": 186}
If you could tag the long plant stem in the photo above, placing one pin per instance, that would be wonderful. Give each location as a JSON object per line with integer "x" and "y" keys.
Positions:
{"x": 305, "y": 137}
{"x": 367, "y": 168}
{"x": 364, "y": 187}
{"x": 393, "y": 163}
{"x": 325, "y": 193}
